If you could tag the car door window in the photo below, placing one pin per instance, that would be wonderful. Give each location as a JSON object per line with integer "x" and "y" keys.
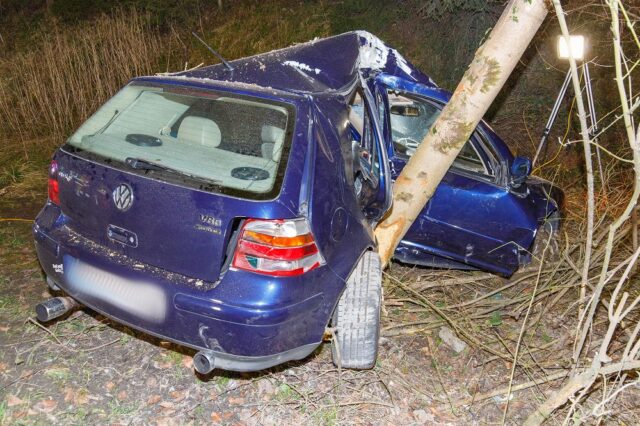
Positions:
{"x": 412, "y": 118}
{"x": 364, "y": 142}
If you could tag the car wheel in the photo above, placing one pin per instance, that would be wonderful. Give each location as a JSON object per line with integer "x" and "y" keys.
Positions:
{"x": 356, "y": 319}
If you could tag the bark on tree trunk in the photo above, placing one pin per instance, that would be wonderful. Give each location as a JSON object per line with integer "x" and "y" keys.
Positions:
{"x": 493, "y": 63}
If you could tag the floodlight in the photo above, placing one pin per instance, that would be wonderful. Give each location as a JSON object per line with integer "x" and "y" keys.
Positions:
{"x": 576, "y": 50}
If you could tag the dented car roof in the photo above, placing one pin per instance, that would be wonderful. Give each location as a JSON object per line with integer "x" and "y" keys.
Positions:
{"x": 320, "y": 65}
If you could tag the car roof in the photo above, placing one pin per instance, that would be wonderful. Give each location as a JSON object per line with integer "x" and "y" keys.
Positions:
{"x": 329, "y": 64}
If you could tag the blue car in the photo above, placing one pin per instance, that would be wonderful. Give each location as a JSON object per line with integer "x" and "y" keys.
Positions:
{"x": 231, "y": 208}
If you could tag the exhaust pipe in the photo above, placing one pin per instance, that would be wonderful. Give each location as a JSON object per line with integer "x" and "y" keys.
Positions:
{"x": 204, "y": 362}
{"x": 54, "y": 308}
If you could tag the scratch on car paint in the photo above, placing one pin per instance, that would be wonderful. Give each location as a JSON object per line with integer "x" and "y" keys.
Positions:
{"x": 209, "y": 342}
{"x": 468, "y": 251}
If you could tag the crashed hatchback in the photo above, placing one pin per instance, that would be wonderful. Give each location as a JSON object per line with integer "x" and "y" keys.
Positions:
{"x": 230, "y": 209}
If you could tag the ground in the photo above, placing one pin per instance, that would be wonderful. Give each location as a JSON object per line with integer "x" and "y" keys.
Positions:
{"x": 86, "y": 369}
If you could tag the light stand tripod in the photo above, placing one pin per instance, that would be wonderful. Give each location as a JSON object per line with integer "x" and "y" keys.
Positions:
{"x": 593, "y": 122}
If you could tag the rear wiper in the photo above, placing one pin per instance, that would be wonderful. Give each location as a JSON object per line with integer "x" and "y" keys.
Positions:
{"x": 141, "y": 164}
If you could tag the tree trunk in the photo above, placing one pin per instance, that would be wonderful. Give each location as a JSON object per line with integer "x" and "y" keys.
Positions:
{"x": 493, "y": 63}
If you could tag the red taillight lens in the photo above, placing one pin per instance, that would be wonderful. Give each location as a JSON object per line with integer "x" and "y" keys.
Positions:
{"x": 277, "y": 247}
{"x": 54, "y": 188}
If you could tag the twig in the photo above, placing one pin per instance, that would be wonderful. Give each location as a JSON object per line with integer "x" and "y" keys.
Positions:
{"x": 36, "y": 323}
{"x": 515, "y": 388}
{"x": 522, "y": 330}
{"x": 101, "y": 346}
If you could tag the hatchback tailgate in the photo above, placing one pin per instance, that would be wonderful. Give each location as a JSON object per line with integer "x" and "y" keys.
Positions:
{"x": 179, "y": 229}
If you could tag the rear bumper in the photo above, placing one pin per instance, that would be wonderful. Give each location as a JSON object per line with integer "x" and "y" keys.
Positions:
{"x": 249, "y": 322}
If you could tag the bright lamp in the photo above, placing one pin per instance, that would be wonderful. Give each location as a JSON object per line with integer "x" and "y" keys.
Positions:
{"x": 576, "y": 51}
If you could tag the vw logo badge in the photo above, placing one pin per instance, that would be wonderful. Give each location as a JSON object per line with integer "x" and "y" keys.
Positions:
{"x": 123, "y": 197}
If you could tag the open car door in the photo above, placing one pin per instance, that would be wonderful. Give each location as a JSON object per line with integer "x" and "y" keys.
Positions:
{"x": 371, "y": 167}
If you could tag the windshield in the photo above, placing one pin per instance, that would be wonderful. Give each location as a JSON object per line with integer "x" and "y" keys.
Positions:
{"x": 234, "y": 143}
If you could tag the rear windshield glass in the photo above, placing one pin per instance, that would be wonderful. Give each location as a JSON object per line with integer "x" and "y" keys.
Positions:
{"x": 233, "y": 144}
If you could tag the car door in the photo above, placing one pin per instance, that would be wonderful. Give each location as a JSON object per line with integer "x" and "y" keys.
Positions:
{"x": 468, "y": 221}
{"x": 371, "y": 166}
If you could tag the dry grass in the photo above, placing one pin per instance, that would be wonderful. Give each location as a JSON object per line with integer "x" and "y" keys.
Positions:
{"x": 70, "y": 72}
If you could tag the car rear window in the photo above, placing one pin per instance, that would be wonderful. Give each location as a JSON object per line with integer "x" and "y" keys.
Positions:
{"x": 231, "y": 143}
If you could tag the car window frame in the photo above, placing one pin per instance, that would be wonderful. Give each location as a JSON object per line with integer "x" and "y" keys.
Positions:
{"x": 478, "y": 139}
{"x": 198, "y": 184}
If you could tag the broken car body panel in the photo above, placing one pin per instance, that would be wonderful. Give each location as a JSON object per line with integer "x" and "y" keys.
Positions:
{"x": 472, "y": 220}
{"x": 135, "y": 231}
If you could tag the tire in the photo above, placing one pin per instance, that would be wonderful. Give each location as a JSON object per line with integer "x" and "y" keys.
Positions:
{"x": 357, "y": 317}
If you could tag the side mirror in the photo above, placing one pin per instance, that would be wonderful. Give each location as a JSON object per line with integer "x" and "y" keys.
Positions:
{"x": 520, "y": 169}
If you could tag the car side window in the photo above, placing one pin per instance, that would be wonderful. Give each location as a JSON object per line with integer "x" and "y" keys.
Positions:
{"x": 365, "y": 156}
{"x": 361, "y": 122}
{"x": 411, "y": 120}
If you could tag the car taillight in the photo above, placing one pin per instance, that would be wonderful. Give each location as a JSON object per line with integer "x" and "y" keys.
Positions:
{"x": 54, "y": 188}
{"x": 277, "y": 247}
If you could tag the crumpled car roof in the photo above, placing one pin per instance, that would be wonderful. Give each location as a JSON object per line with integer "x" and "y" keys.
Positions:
{"x": 320, "y": 65}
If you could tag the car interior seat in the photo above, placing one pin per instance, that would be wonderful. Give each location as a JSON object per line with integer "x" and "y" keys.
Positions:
{"x": 272, "y": 142}
{"x": 200, "y": 130}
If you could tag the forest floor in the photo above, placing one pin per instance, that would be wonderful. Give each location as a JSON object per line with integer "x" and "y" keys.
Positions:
{"x": 87, "y": 369}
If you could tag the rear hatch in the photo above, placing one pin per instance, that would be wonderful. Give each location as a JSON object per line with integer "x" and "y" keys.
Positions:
{"x": 162, "y": 174}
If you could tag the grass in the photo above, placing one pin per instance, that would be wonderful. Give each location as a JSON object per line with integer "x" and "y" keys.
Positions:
{"x": 3, "y": 411}
{"x": 60, "y": 374}
{"x": 119, "y": 409}
{"x": 71, "y": 71}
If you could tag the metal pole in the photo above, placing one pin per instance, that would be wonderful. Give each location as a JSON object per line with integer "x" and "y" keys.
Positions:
{"x": 552, "y": 117}
{"x": 592, "y": 114}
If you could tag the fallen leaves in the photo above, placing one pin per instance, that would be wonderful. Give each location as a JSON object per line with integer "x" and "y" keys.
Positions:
{"x": 187, "y": 362}
{"x": 46, "y": 406}
{"x": 76, "y": 397}
{"x": 162, "y": 365}
{"x": 13, "y": 400}
{"x": 167, "y": 404}
{"x": 178, "y": 395}
{"x": 153, "y": 399}
{"x": 235, "y": 400}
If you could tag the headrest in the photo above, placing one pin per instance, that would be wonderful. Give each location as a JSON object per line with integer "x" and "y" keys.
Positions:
{"x": 274, "y": 135}
{"x": 200, "y": 130}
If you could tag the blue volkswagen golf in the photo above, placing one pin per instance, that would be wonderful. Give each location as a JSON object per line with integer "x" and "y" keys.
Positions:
{"x": 230, "y": 209}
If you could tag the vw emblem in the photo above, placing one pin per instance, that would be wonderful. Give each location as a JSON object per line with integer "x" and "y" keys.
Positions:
{"x": 123, "y": 197}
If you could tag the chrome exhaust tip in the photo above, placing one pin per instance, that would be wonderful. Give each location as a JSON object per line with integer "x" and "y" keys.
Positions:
{"x": 204, "y": 362}
{"x": 54, "y": 308}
